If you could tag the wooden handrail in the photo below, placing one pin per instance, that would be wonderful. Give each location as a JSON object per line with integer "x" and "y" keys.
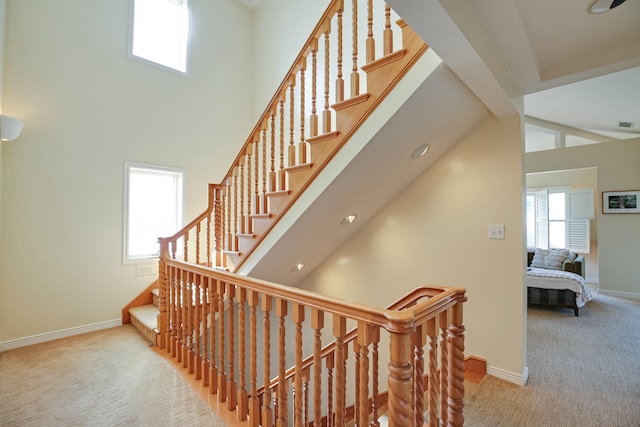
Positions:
{"x": 393, "y": 320}
{"x": 411, "y": 322}
{"x": 404, "y": 302}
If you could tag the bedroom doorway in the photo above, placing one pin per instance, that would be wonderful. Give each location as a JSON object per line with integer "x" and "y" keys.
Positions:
{"x": 583, "y": 178}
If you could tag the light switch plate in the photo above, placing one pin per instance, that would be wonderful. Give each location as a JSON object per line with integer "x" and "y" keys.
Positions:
{"x": 496, "y": 231}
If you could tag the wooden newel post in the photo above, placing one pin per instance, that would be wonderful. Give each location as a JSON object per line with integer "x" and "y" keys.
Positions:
{"x": 455, "y": 343}
{"x": 400, "y": 381}
{"x": 163, "y": 319}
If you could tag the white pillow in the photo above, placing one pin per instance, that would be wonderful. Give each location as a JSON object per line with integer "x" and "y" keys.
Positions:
{"x": 550, "y": 259}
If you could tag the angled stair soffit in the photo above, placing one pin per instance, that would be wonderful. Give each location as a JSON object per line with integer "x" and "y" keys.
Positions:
{"x": 430, "y": 105}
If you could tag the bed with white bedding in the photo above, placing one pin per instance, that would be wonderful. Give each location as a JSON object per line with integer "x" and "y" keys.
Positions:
{"x": 540, "y": 281}
{"x": 556, "y": 278}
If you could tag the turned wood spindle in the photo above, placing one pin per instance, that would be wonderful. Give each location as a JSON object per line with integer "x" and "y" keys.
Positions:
{"x": 198, "y": 230}
{"x": 400, "y": 378}
{"x": 272, "y": 173}
{"x": 455, "y": 344}
{"x": 339, "y": 79}
{"x": 222, "y": 376}
{"x": 371, "y": 43}
{"x": 282, "y": 177}
{"x": 375, "y": 391}
{"x": 355, "y": 76}
{"x": 197, "y": 320}
{"x": 242, "y": 386}
{"x": 213, "y": 309}
{"x": 241, "y": 177}
{"x": 313, "y": 118}
{"x": 364, "y": 340}
{"x": 267, "y": 414}
{"x": 281, "y": 312}
{"x": 206, "y": 358}
{"x": 444, "y": 365}
{"x": 291, "y": 155}
{"x": 330, "y": 364}
{"x": 419, "y": 341}
{"x": 433, "y": 385}
{"x": 317, "y": 323}
{"x": 388, "y": 32}
{"x": 339, "y": 332}
{"x": 254, "y": 403}
{"x": 232, "y": 392}
{"x": 298, "y": 318}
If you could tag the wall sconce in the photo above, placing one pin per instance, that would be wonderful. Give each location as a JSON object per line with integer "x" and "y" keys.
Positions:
{"x": 10, "y": 127}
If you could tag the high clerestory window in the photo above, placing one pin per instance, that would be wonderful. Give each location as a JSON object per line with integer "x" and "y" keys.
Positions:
{"x": 160, "y": 32}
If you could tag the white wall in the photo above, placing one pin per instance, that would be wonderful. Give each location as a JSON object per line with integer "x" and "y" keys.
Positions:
{"x": 618, "y": 234}
{"x": 436, "y": 232}
{"x": 87, "y": 109}
{"x": 281, "y": 29}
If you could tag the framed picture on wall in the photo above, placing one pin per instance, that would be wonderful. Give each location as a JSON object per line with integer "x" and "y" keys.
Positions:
{"x": 621, "y": 201}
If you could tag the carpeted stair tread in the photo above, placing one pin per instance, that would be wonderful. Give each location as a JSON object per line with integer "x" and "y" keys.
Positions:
{"x": 145, "y": 319}
{"x": 146, "y": 314}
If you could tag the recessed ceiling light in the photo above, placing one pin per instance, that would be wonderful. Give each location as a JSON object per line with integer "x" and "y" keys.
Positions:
{"x": 420, "y": 151}
{"x": 348, "y": 219}
{"x": 297, "y": 267}
{"x": 602, "y": 6}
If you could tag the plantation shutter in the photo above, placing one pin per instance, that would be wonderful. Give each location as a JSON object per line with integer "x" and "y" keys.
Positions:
{"x": 542, "y": 217}
{"x": 580, "y": 209}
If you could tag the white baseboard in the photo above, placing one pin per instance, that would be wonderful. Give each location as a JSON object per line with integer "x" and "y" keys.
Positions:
{"x": 620, "y": 294}
{"x": 50, "y": 336}
{"x": 509, "y": 376}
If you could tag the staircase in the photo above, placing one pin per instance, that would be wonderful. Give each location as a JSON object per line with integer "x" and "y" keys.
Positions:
{"x": 145, "y": 317}
{"x": 262, "y": 349}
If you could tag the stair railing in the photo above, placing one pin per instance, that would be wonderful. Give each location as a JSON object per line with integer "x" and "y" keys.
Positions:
{"x": 218, "y": 321}
{"x": 313, "y": 113}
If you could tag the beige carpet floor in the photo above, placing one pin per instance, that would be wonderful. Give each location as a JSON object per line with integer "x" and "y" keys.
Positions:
{"x": 583, "y": 371}
{"x": 104, "y": 378}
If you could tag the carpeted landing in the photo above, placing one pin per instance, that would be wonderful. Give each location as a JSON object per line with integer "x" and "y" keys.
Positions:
{"x": 104, "y": 378}
{"x": 583, "y": 371}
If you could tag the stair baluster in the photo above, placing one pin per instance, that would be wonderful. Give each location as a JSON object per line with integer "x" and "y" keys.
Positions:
{"x": 298, "y": 318}
{"x": 242, "y": 387}
{"x": 222, "y": 376}
{"x": 254, "y": 403}
{"x": 281, "y": 312}
{"x": 317, "y": 323}
{"x": 232, "y": 392}
{"x": 267, "y": 414}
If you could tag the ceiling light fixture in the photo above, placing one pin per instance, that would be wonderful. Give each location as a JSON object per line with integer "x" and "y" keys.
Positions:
{"x": 297, "y": 267}
{"x": 420, "y": 151}
{"x": 602, "y": 6}
{"x": 10, "y": 127}
{"x": 348, "y": 219}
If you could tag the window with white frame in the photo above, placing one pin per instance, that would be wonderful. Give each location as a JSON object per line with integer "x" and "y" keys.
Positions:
{"x": 559, "y": 218}
{"x": 160, "y": 32}
{"x": 153, "y": 208}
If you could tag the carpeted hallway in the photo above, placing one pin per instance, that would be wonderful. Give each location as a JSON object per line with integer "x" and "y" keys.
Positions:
{"x": 583, "y": 371}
